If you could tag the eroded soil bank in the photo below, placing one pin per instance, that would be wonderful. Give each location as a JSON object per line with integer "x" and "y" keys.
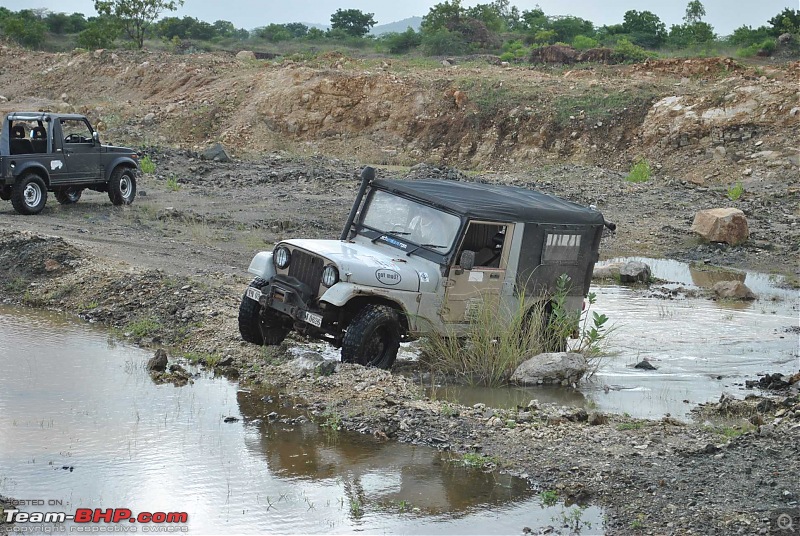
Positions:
{"x": 168, "y": 271}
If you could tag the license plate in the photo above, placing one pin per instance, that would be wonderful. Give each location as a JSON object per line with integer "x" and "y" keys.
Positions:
{"x": 253, "y": 293}
{"x": 313, "y": 319}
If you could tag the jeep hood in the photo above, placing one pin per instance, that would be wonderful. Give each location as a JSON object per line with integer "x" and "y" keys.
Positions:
{"x": 365, "y": 266}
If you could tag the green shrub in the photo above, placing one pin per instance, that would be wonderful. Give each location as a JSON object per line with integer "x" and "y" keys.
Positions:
{"x": 735, "y": 191}
{"x": 400, "y": 43}
{"x": 765, "y": 47}
{"x": 640, "y": 172}
{"x": 581, "y": 42}
{"x": 147, "y": 165}
{"x": 172, "y": 184}
{"x": 627, "y": 52}
{"x": 443, "y": 42}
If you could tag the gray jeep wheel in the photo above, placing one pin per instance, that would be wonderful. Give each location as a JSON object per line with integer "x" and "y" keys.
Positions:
{"x": 372, "y": 338}
{"x": 257, "y": 327}
{"x": 69, "y": 195}
{"x": 29, "y": 194}
{"x": 122, "y": 186}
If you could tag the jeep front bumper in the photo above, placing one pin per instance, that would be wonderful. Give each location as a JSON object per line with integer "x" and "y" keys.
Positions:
{"x": 283, "y": 297}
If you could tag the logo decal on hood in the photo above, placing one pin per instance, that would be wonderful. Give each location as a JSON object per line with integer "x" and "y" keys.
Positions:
{"x": 388, "y": 277}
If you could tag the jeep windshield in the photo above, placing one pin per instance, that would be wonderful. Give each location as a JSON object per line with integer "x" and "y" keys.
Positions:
{"x": 410, "y": 222}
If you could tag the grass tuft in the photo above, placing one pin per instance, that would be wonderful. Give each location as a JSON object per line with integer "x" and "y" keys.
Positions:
{"x": 640, "y": 172}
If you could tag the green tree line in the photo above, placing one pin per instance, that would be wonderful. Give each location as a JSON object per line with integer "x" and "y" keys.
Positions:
{"x": 449, "y": 28}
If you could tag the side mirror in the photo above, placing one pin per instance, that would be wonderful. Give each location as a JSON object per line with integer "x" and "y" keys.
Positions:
{"x": 467, "y": 260}
{"x": 96, "y": 136}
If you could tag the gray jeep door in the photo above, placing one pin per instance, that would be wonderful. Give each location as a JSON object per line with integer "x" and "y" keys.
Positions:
{"x": 81, "y": 153}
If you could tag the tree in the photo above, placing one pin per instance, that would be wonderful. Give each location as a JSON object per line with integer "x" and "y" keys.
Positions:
{"x": 644, "y": 28}
{"x": 567, "y": 28}
{"x": 352, "y": 21}
{"x": 694, "y": 12}
{"x": 135, "y": 16}
{"x": 442, "y": 16}
{"x": 297, "y": 29}
{"x": 787, "y": 21}
{"x": 274, "y": 33}
{"x": 489, "y": 15}
{"x": 25, "y": 28}
{"x": 100, "y": 32}
{"x": 400, "y": 43}
{"x": 224, "y": 28}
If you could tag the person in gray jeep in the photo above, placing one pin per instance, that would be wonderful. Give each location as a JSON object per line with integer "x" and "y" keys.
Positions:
{"x": 61, "y": 153}
{"x": 416, "y": 256}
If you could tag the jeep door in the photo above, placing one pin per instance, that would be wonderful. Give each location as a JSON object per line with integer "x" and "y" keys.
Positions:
{"x": 466, "y": 289}
{"x": 81, "y": 152}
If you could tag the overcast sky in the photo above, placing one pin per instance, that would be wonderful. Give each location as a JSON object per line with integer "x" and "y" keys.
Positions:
{"x": 723, "y": 15}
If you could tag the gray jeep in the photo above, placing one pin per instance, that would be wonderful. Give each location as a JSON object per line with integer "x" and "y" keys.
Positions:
{"x": 61, "y": 153}
{"x": 416, "y": 256}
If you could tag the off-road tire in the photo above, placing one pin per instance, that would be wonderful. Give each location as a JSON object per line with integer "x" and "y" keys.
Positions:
{"x": 256, "y": 327}
{"x": 372, "y": 338}
{"x": 122, "y": 186}
{"x": 69, "y": 195}
{"x": 5, "y": 193}
{"x": 29, "y": 194}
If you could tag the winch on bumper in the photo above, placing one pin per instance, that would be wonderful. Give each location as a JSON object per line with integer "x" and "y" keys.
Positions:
{"x": 292, "y": 298}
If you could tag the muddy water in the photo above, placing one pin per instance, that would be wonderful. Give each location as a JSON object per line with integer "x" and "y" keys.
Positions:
{"x": 701, "y": 348}
{"x": 85, "y": 427}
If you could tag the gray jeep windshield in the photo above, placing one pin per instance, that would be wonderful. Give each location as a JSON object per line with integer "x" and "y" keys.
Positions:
{"x": 414, "y": 222}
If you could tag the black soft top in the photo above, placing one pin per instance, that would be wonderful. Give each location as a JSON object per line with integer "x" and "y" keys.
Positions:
{"x": 494, "y": 202}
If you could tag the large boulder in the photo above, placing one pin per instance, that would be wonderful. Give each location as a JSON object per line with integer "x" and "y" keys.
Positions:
{"x": 558, "y": 368}
{"x": 727, "y": 225}
{"x": 634, "y": 272}
{"x": 733, "y": 290}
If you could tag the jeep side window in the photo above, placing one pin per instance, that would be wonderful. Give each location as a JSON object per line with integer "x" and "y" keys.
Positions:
{"x": 76, "y": 131}
{"x": 486, "y": 240}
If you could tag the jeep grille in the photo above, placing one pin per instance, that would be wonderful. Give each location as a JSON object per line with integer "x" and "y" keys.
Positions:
{"x": 306, "y": 268}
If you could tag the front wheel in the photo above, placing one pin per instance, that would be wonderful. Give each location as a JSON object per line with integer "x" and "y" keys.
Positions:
{"x": 69, "y": 195}
{"x": 257, "y": 327}
{"x": 29, "y": 194}
{"x": 372, "y": 338}
{"x": 122, "y": 186}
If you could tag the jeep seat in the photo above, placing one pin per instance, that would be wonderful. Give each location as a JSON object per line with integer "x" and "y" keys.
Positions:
{"x": 39, "y": 141}
{"x": 19, "y": 144}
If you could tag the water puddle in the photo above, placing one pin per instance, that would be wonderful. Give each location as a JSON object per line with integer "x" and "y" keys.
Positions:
{"x": 701, "y": 348}
{"x": 85, "y": 427}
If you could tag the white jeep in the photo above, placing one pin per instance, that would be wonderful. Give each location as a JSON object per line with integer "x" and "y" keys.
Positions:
{"x": 416, "y": 256}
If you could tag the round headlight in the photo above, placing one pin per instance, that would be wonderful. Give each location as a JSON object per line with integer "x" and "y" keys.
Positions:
{"x": 282, "y": 257}
{"x": 330, "y": 276}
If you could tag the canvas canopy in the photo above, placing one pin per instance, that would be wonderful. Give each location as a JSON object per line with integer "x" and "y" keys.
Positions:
{"x": 494, "y": 202}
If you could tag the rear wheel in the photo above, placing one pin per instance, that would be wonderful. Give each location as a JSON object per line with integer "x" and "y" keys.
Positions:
{"x": 69, "y": 195}
{"x": 29, "y": 194}
{"x": 122, "y": 186}
{"x": 372, "y": 338}
{"x": 257, "y": 326}
{"x": 5, "y": 193}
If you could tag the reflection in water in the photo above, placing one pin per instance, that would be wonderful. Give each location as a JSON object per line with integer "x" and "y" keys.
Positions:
{"x": 507, "y": 397}
{"x": 372, "y": 470}
{"x": 70, "y": 400}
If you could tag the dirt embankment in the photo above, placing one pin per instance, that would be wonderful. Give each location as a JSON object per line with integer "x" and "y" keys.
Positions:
{"x": 695, "y": 119}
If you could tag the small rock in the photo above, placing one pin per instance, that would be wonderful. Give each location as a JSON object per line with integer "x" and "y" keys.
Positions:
{"x": 634, "y": 272}
{"x": 216, "y": 153}
{"x": 563, "y": 368}
{"x": 245, "y": 55}
{"x": 596, "y": 418}
{"x": 644, "y": 364}
{"x": 158, "y": 363}
{"x": 149, "y": 118}
{"x": 230, "y": 419}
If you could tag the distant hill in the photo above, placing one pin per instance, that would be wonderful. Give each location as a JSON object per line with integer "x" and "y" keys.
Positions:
{"x": 399, "y": 26}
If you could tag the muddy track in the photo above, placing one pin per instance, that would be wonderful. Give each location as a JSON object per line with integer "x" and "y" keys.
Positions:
{"x": 177, "y": 260}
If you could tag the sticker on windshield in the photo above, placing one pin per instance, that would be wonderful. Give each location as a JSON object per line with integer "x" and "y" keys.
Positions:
{"x": 388, "y": 277}
{"x": 393, "y": 242}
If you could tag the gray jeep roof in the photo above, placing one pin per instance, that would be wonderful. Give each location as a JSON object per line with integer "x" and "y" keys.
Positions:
{"x": 494, "y": 202}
